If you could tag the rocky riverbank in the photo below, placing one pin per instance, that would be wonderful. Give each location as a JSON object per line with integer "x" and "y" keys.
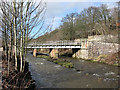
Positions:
{"x": 111, "y": 59}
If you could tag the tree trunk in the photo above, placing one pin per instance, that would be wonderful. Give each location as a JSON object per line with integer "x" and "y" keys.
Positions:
{"x": 15, "y": 35}
{"x": 21, "y": 44}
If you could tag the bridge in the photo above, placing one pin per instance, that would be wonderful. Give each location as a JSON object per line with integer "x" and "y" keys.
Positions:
{"x": 87, "y": 48}
{"x": 54, "y": 46}
{"x": 59, "y": 44}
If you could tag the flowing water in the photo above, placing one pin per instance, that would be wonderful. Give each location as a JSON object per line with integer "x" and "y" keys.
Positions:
{"x": 86, "y": 74}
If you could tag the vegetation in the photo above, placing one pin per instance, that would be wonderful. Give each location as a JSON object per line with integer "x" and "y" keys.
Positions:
{"x": 63, "y": 63}
{"x": 17, "y": 22}
{"x": 91, "y": 21}
{"x": 111, "y": 59}
{"x": 58, "y": 61}
{"x": 16, "y": 79}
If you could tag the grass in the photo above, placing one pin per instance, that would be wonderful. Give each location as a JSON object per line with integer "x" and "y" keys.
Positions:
{"x": 63, "y": 63}
{"x": 42, "y": 56}
{"x": 116, "y": 64}
{"x": 58, "y": 61}
{"x": 70, "y": 65}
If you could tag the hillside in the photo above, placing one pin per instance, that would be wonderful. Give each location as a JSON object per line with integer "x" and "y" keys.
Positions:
{"x": 91, "y": 21}
{"x": 56, "y": 35}
{"x": 53, "y": 36}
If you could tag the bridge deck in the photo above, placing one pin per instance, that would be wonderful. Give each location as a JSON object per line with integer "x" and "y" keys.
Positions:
{"x": 58, "y": 44}
{"x": 53, "y": 46}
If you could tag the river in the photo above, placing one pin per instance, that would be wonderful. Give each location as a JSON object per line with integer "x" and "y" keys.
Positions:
{"x": 86, "y": 74}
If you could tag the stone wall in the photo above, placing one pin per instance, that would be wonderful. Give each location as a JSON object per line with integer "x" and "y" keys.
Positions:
{"x": 104, "y": 38}
{"x": 97, "y": 45}
{"x": 96, "y": 49}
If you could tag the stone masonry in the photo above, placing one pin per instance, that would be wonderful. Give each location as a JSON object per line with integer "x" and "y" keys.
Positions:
{"x": 96, "y": 46}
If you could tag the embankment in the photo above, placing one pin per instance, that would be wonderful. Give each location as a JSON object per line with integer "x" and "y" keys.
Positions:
{"x": 15, "y": 79}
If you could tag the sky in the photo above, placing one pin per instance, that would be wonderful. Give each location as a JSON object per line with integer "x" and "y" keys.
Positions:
{"x": 57, "y": 9}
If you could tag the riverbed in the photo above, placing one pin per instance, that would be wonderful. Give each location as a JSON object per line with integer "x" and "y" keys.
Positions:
{"x": 85, "y": 74}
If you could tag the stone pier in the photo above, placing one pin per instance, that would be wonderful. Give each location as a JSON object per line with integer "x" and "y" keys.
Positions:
{"x": 83, "y": 52}
{"x": 54, "y": 53}
{"x": 35, "y": 52}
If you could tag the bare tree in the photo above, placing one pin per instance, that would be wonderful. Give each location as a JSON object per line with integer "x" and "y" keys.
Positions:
{"x": 18, "y": 22}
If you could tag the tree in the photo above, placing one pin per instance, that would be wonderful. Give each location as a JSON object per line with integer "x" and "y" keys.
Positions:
{"x": 68, "y": 26}
{"x": 18, "y": 22}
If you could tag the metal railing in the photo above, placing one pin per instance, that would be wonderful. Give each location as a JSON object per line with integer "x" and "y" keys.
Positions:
{"x": 60, "y": 43}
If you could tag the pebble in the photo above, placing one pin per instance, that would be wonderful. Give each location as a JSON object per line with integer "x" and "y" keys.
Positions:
{"x": 95, "y": 74}
{"x": 74, "y": 69}
{"x": 108, "y": 79}
{"x": 87, "y": 85}
{"x": 87, "y": 74}
{"x": 109, "y": 73}
{"x": 43, "y": 59}
{"x": 57, "y": 66}
{"x": 118, "y": 76}
{"x": 79, "y": 72}
{"x": 41, "y": 63}
{"x": 81, "y": 60}
{"x": 36, "y": 63}
{"x": 99, "y": 79}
